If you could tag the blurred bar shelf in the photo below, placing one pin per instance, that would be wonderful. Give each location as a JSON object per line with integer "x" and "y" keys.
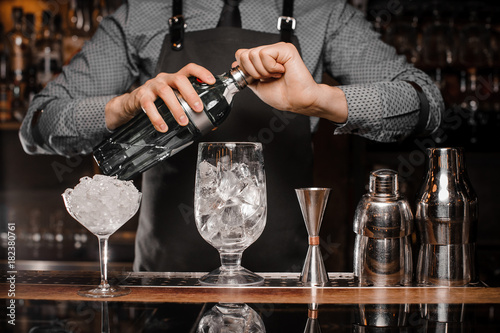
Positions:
{"x": 278, "y": 288}
{"x": 10, "y": 126}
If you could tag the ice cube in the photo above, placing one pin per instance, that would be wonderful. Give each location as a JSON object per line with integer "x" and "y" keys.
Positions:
{"x": 251, "y": 195}
{"x": 209, "y": 204}
{"x": 232, "y": 216}
{"x": 210, "y": 226}
{"x": 207, "y": 176}
{"x": 206, "y": 169}
{"x": 242, "y": 170}
{"x": 254, "y": 220}
{"x": 224, "y": 163}
{"x": 229, "y": 185}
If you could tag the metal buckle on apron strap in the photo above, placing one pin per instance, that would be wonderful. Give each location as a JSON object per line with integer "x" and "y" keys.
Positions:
{"x": 286, "y": 25}
{"x": 177, "y": 24}
{"x": 286, "y": 22}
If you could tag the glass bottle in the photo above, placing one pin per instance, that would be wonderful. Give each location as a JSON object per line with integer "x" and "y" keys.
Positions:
{"x": 74, "y": 35}
{"x": 48, "y": 52}
{"x": 5, "y": 93}
{"x": 446, "y": 218}
{"x": 29, "y": 29}
{"x": 57, "y": 38}
{"x": 20, "y": 48}
{"x": 18, "y": 105}
{"x": 137, "y": 145}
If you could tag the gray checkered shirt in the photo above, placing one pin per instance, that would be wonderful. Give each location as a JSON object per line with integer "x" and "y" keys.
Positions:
{"x": 334, "y": 37}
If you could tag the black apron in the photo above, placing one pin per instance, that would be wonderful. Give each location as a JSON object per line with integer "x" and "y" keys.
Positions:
{"x": 167, "y": 238}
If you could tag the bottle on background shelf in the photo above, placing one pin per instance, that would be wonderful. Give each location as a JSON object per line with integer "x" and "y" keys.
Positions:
{"x": 18, "y": 105}
{"x": 48, "y": 56}
{"x": 20, "y": 50}
{"x": 29, "y": 28}
{"x": 5, "y": 93}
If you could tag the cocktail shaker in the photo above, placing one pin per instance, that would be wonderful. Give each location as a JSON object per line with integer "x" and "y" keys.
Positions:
{"x": 383, "y": 223}
{"x": 446, "y": 218}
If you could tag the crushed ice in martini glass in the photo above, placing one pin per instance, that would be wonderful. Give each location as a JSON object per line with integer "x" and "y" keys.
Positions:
{"x": 102, "y": 203}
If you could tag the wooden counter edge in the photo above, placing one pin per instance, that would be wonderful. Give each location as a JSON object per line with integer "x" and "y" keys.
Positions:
{"x": 349, "y": 295}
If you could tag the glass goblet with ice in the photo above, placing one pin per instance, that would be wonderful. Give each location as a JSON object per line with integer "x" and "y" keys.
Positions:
{"x": 230, "y": 206}
{"x": 102, "y": 204}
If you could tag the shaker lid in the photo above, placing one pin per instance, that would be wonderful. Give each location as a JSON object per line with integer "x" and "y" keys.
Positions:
{"x": 384, "y": 182}
{"x": 383, "y": 213}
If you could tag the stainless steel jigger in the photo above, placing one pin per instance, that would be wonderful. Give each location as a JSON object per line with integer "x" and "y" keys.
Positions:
{"x": 312, "y": 204}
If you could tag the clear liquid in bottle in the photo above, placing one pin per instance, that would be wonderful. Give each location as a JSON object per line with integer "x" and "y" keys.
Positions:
{"x": 137, "y": 145}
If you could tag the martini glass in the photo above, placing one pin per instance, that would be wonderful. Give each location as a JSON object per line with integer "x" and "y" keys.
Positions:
{"x": 230, "y": 206}
{"x": 103, "y": 228}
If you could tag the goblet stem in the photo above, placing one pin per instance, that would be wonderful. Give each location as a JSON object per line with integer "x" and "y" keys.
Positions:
{"x": 103, "y": 255}
{"x": 230, "y": 261}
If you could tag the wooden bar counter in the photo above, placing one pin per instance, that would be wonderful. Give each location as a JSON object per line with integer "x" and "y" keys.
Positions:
{"x": 283, "y": 303}
{"x": 278, "y": 288}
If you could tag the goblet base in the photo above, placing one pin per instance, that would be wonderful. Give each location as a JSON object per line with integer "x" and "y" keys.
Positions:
{"x": 232, "y": 277}
{"x": 98, "y": 292}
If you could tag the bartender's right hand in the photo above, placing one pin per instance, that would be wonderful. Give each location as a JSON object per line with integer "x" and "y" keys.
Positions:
{"x": 121, "y": 109}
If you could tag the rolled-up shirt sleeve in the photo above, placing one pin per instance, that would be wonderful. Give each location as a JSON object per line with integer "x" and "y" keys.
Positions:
{"x": 381, "y": 105}
{"x": 67, "y": 116}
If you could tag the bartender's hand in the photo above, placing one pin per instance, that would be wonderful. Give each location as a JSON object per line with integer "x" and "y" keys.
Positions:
{"x": 122, "y": 108}
{"x": 284, "y": 82}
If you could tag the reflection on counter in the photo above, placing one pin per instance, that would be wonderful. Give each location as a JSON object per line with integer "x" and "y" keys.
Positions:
{"x": 312, "y": 325}
{"x": 394, "y": 316}
{"x": 83, "y": 317}
{"x": 231, "y": 318}
{"x": 447, "y": 317}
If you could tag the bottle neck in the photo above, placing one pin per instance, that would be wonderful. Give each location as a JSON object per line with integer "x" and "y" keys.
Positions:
{"x": 17, "y": 22}
{"x": 444, "y": 160}
{"x": 241, "y": 80}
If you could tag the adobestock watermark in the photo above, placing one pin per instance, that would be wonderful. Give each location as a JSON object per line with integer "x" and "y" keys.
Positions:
{"x": 454, "y": 118}
{"x": 383, "y": 16}
{"x": 71, "y": 164}
{"x": 278, "y": 123}
{"x": 11, "y": 273}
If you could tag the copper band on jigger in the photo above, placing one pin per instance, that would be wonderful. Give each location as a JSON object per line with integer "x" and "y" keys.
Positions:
{"x": 313, "y": 314}
{"x": 314, "y": 240}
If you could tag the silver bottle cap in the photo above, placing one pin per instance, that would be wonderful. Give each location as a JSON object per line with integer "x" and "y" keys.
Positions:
{"x": 240, "y": 78}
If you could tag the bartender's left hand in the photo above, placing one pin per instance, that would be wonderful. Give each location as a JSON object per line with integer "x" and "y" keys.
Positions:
{"x": 284, "y": 82}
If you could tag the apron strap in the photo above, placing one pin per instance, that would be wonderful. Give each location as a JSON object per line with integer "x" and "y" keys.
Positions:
{"x": 286, "y": 22}
{"x": 177, "y": 24}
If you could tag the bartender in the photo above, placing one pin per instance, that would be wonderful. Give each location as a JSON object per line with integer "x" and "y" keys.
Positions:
{"x": 287, "y": 46}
